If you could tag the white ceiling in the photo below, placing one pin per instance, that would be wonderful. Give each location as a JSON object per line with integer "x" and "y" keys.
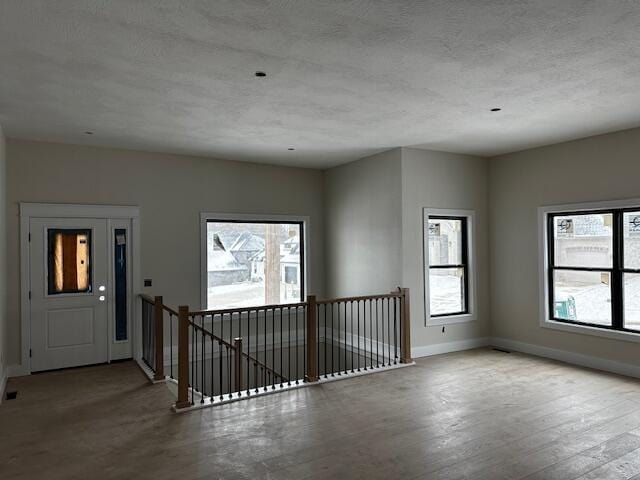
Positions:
{"x": 345, "y": 78}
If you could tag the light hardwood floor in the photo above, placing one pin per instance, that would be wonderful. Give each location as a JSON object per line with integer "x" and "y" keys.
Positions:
{"x": 479, "y": 414}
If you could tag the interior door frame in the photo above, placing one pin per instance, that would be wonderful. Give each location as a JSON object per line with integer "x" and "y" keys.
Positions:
{"x": 62, "y": 210}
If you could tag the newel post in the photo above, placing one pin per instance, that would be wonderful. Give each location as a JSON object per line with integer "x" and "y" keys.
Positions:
{"x": 159, "y": 340}
{"x": 183, "y": 357}
{"x": 405, "y": 327}
{"x": 312, "y": 340}
{"x": 237, "y": 345}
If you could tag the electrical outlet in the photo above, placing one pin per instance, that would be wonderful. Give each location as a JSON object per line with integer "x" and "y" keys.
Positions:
{"x": 147, "y": 282}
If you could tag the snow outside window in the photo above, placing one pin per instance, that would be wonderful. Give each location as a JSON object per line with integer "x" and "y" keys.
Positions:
{"x": 448, "y": 266}
{"x": 252, "y": 264}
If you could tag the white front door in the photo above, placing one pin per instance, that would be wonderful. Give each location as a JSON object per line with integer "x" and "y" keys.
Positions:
{"x": 69, "y": 309}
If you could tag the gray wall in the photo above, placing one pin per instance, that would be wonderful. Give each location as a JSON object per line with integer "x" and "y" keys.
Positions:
{"x": 171, "y": 191}
{"x": 597, "y": 168}
{"x": 3, "y": 270}
{"x": 373, "y": 219}
{"x": 443, "y": 180}
{"x": 363, "y": 221}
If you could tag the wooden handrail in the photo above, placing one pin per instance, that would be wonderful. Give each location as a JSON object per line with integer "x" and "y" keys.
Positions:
{"x": 311, "y": 372}
{"x": 267, "y": 368}
{"x": 233, "y": 347}
{"x": 210, "y": 334}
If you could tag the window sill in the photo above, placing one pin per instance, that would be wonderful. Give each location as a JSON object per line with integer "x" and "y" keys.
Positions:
{"x": 450, "y": 319}
{"x": 594, "y": 331}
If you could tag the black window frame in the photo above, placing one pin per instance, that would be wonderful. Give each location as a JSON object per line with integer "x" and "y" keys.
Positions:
{"x": 464, "y": 233}
{"x": 616, "y": 271}
{"x": 301, "y": 225}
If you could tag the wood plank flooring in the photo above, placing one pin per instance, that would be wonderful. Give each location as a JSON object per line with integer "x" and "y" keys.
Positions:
{"x": 479, "y": 414}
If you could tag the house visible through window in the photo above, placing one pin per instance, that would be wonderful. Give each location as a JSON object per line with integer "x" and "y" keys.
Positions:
{"x": 254, "y": 263}
{"x": 593, "y": 275}
{"x": 448, "y": 278}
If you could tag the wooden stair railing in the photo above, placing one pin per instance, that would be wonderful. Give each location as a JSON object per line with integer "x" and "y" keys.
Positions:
{"x": 236, "y": 347}
{"x": 385, "y": 337}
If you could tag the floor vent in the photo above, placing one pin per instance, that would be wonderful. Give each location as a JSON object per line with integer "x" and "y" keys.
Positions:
{"x": 12, "y": 395}
{"x": 501, "y": 350}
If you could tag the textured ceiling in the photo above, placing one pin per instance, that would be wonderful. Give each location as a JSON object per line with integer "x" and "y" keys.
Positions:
{"x": 345, "y": 78}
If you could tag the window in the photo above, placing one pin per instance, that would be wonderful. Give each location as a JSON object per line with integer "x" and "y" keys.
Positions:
{"x": 120, "y": 287}
{"x": 593, "y": 268}
{"x": 448, "y": 279}
{"x": 69, "y": 266}
{"x": 253, "y": 263}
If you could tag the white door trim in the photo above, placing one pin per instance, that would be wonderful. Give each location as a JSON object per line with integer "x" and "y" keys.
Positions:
{"x": 59, "y": 210}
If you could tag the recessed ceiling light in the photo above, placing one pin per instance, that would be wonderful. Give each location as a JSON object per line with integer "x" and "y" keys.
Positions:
{"x": 291, "y": 149}
{"x": 496, "y": 109}
{"x": 261, "y": 74}
{"x": 88, "y": 132}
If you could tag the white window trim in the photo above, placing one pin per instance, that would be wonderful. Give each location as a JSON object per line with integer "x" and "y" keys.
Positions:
{"x": 205, "y": 216}
{"x": 543, "y": 265}
{"x": 470, "y": 215}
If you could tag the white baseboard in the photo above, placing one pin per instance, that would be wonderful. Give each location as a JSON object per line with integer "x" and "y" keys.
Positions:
{"x": 17, "y": 371}
{"x": 448, "y": 347}
{"x": 588, "y": 361}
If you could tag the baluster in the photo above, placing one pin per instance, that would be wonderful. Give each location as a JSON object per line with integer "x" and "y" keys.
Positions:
{"x": 248, "y": 353}
{"x": 395, "y": 331}
{"x": 193, "y": 358}
{"x": 221, "y": 356}
{"x": 312, "y": 331}
{"x": 296, "y": 349}
{"x": 212, "y": 366}
{"x": 377, "y": 337}
{"x": 352, "y": 344}
{"x": 255, "y": 375}
{"x": 289, "y": 349}
{"x": 304, "y": 342}
{"x": 282, "y": 344}
{"x": 238, "y": 365}
{"x": 203, "y": 387}
{"x": 358, "y": 319}
{"x": 257, "y": 348}
{"x": 344, "y": 343}
{"x": 371, "y": 349}
{"x": 273, "y": 346}
{"x": 229, "y": 389}
{"x": 326, "y": 340}
{"x": 339, "y": 372}
{"x": 332, "y": 342}
{"x": 264, "y": 357}
{"x": 171, "y": 345}
{"x": 364, "y": 327}
{"x": 389, "y": 330}
{"x": 159, "y": 340}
